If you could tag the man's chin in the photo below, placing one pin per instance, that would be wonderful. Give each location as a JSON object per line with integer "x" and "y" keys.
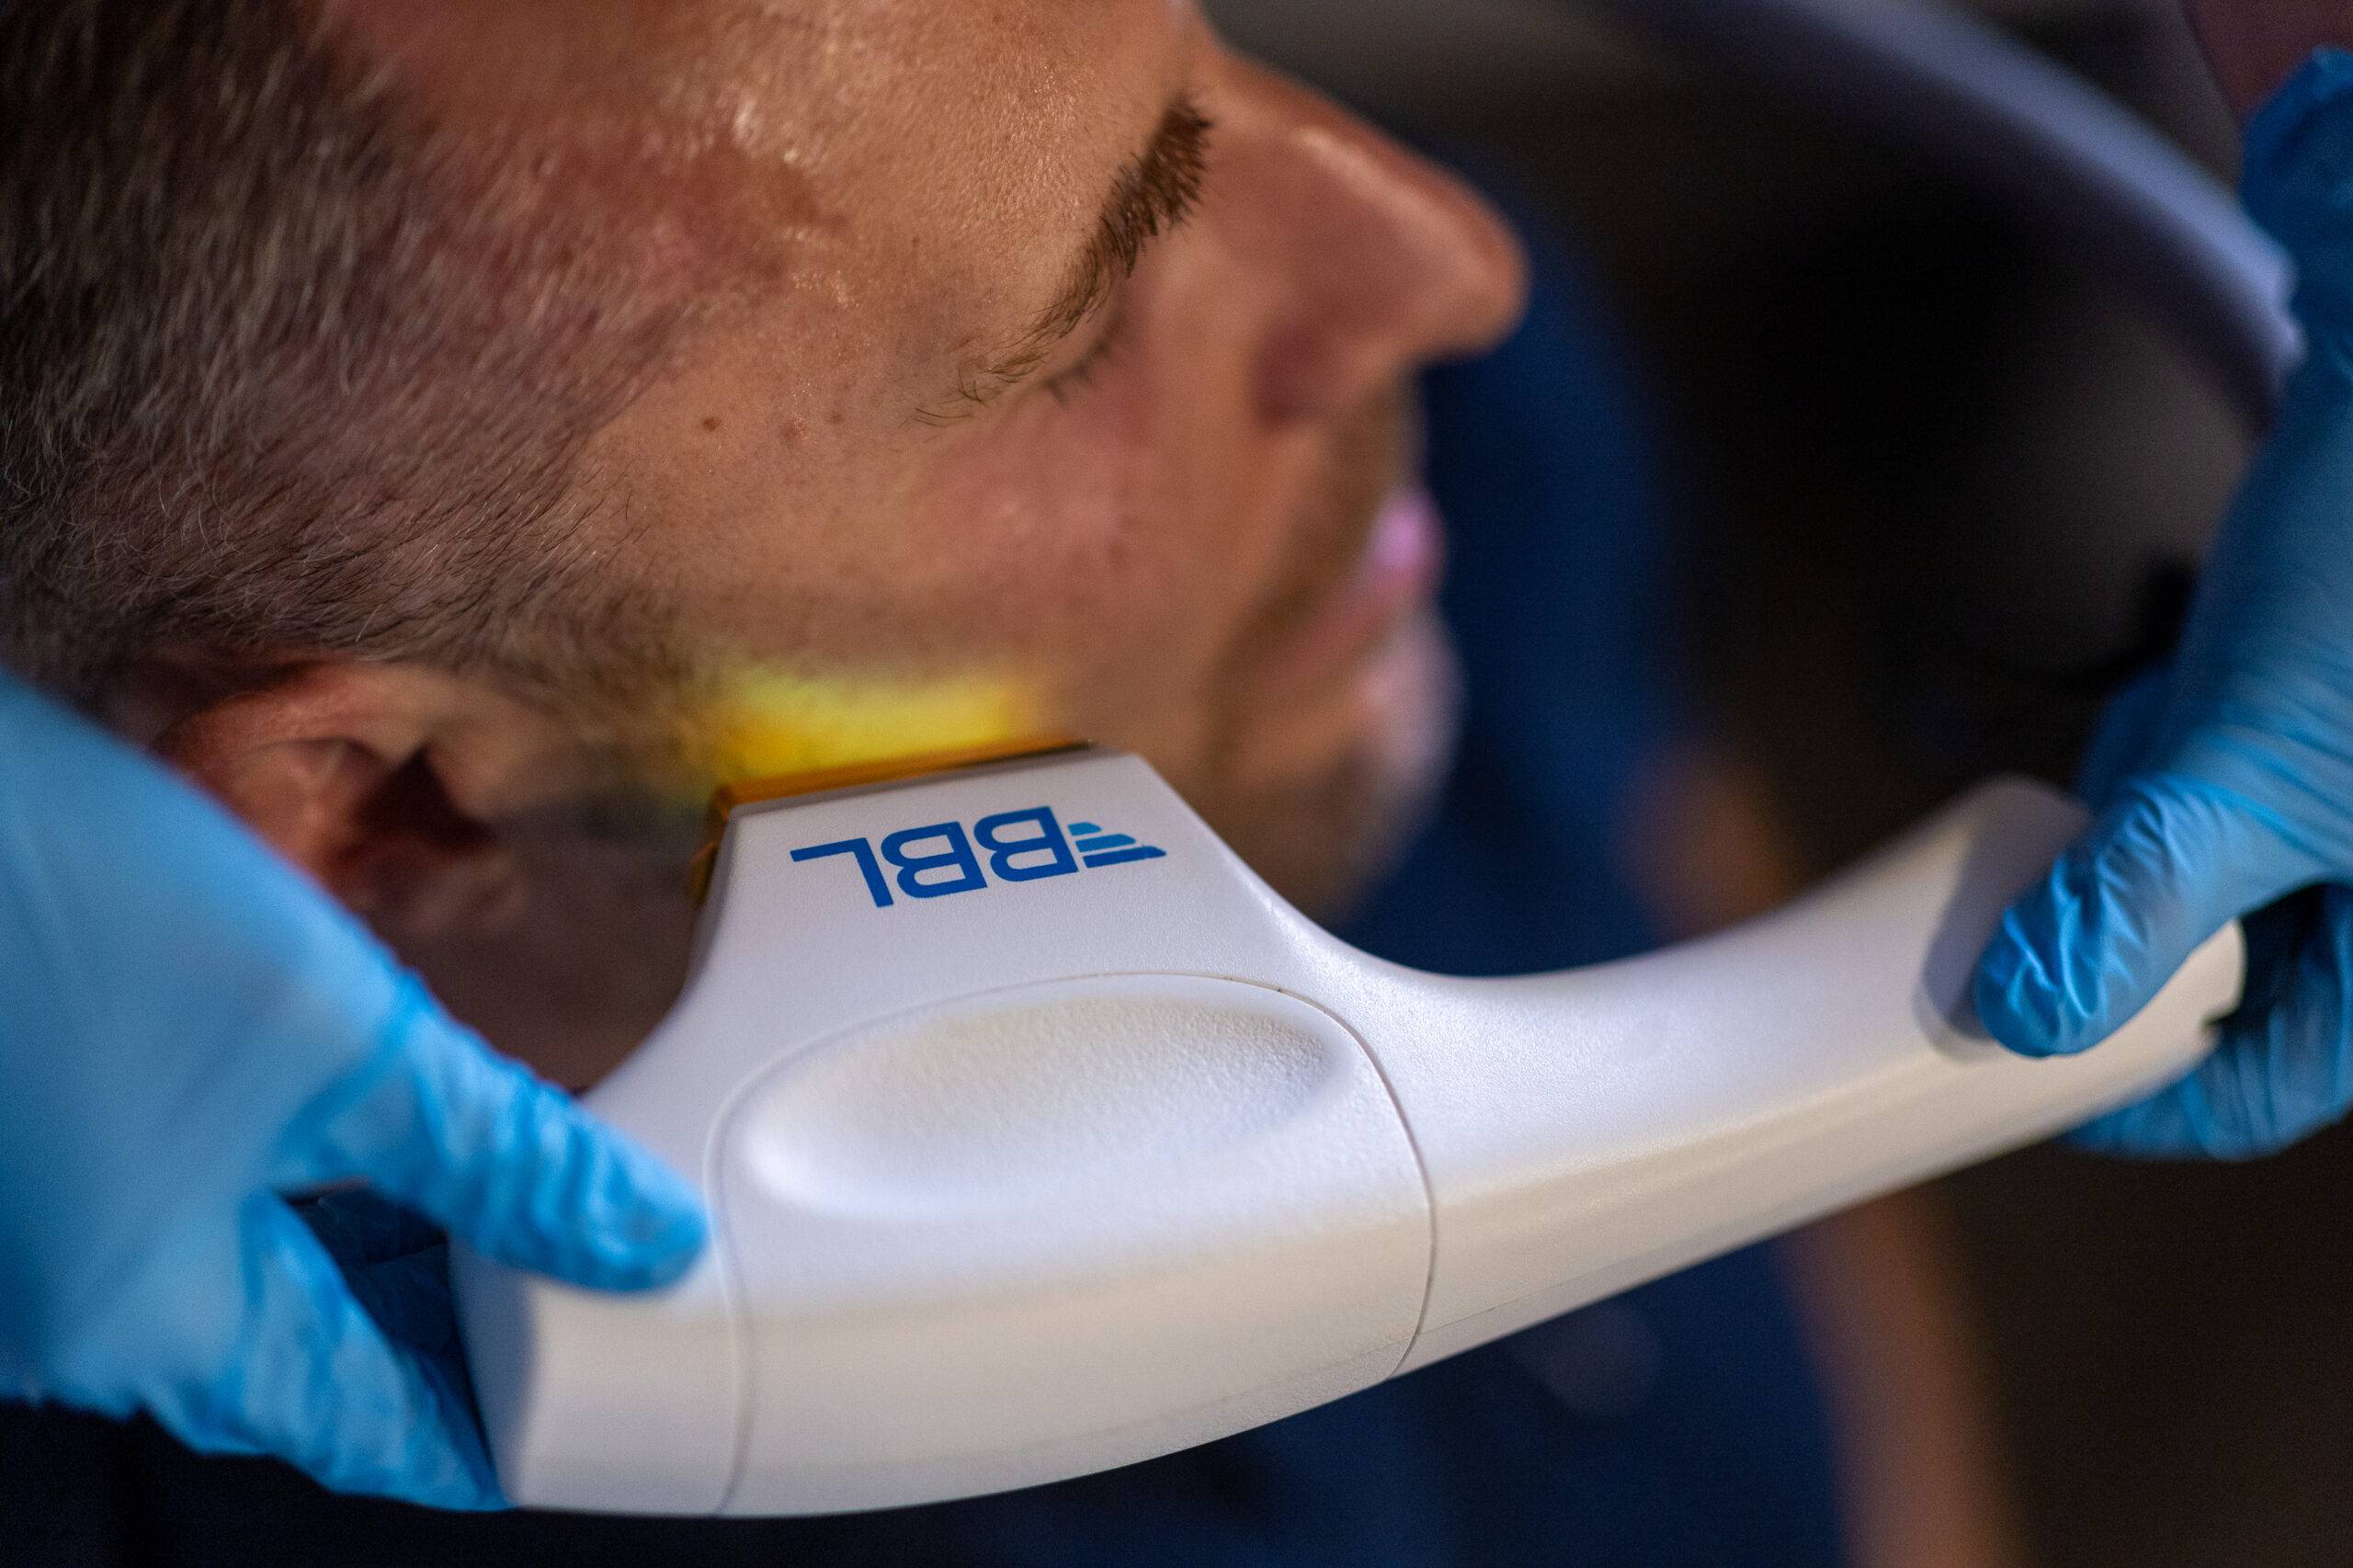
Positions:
{"x": 1324, "y": 799}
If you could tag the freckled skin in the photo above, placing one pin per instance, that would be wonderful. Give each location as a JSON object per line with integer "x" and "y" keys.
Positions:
{"x": 873, "y": 192}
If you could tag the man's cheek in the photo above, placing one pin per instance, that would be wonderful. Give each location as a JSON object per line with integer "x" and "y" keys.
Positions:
{"x": 1096, "y": 565}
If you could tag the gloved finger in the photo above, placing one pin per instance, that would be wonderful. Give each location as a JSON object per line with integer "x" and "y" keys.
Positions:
{"x": 508, "y": 1164}
{"x": 2170, "y": 862}
{"x": 2284, "y": 1066}
{"x": 311, "y": 1380}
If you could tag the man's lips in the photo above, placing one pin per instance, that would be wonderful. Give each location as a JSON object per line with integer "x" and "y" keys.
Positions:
{"x": 1396, "y": 575}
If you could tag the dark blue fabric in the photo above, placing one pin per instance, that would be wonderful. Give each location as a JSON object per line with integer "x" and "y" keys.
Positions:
{"x": 1675, "y": 1427}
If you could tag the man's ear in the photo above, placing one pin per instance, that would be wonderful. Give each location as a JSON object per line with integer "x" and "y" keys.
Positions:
{"x": 381, "y": 781}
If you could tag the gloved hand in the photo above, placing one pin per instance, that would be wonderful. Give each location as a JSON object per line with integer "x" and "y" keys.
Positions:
{"x": 190, "y": 1030}
{"x": 2225, "y": 784}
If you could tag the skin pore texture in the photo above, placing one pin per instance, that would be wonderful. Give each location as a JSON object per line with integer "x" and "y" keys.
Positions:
{"x": 930, "y": 439}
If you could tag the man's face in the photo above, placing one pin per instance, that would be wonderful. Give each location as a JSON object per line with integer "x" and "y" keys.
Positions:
{"x": 932, "y": 428}
{"x": 930, "y": 432}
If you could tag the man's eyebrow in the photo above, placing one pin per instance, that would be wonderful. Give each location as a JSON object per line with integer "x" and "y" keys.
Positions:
{"x": 1153, "y": 194}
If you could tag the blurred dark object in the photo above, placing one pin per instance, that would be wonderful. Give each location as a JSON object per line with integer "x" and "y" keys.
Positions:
{"x": 1943, "y": 490}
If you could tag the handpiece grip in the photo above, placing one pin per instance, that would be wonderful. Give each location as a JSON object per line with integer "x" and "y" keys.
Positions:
{"x": 1585, "y": 1132}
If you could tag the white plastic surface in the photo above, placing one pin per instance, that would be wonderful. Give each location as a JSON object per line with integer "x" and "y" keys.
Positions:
{"x": 1127, "y": 1187}
{"x": 1077, "y": 1166}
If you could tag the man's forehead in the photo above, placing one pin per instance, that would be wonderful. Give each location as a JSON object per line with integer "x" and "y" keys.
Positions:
{"x": 817, "y": 86}
{"x": 961, "y": 142}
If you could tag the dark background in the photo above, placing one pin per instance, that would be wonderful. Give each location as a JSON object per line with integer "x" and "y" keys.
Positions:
{"x": 1938, "y": 488}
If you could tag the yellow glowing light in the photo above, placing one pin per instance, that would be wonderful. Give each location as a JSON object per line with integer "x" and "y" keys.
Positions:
{"x": 770, "y": 725}
{"x": 772, "y": 734}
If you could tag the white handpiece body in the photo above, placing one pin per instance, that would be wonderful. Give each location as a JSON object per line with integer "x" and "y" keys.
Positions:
{"x": 1031, "y": 1152}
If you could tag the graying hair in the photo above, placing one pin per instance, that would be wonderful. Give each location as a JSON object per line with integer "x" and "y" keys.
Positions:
{"x": 283, "y": 368}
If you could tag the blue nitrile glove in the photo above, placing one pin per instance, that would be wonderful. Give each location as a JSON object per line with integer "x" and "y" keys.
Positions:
{"x": 190, "y": 1029}
{"x": 2225, "y": 784}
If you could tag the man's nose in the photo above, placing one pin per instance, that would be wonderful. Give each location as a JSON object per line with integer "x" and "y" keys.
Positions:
{"x": 1385, "y": 261}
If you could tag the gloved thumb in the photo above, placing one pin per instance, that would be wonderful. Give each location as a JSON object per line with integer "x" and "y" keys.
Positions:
{"x": 509, "y": 1165}
{"x": 2171, "y": 860}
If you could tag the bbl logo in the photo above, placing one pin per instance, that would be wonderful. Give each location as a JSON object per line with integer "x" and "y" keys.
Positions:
{"x": 941, "y": 858}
